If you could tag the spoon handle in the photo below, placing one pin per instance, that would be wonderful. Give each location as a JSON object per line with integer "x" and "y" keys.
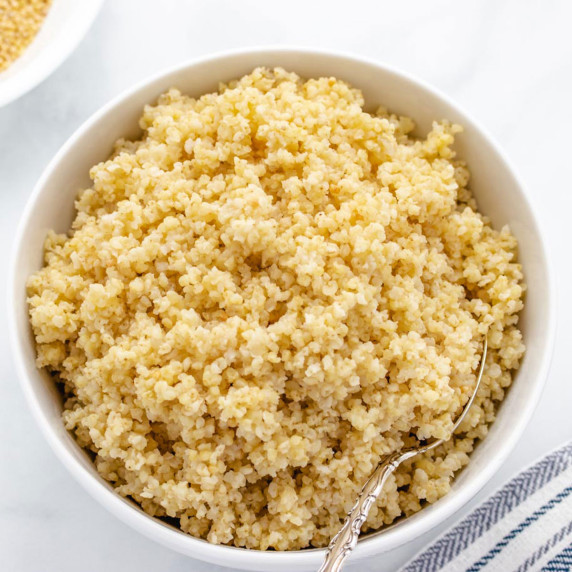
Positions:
{"x": 345, "y": 540}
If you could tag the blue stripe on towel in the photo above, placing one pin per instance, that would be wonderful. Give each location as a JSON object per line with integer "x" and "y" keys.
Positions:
{"x": 516, "y": 531}
{"x": 533, "y": 558}
{"x": 560, "y": 563}
{"x": 492, "y": 511}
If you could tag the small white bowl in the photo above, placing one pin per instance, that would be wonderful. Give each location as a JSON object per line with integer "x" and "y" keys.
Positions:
{"x": 499, "y": 193}
{"x": 65, "y": 25}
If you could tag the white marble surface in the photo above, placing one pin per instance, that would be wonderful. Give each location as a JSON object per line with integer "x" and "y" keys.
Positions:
{"x": 509, "y": 63}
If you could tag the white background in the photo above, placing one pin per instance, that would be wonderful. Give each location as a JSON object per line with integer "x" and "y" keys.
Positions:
{"x": 509, "y": 63}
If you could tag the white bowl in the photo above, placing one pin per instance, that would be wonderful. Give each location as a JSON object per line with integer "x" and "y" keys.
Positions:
{"x": 65, "y": 25}
{"x": 496, "y": 187}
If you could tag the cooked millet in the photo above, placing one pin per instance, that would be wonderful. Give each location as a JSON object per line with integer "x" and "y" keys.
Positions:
{"x": 266, "y": 293}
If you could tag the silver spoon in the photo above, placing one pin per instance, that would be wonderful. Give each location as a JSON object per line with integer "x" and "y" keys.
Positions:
{"x": 346, "y": 539}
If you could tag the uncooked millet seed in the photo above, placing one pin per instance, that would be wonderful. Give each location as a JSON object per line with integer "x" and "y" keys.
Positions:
{"x": 265, "y": 294}
{"x": 20, "y": 21}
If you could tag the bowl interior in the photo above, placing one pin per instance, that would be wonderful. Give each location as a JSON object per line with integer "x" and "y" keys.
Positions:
{"x": 66, "y": 23}
{"x": 499, "y": 196}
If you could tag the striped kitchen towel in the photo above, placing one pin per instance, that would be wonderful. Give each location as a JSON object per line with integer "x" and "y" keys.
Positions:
{"x": 525, "y": 526}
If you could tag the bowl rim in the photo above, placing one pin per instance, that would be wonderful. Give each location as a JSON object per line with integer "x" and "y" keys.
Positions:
{"x": 241, "y": 557}
{"x": 47, "y": 62}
